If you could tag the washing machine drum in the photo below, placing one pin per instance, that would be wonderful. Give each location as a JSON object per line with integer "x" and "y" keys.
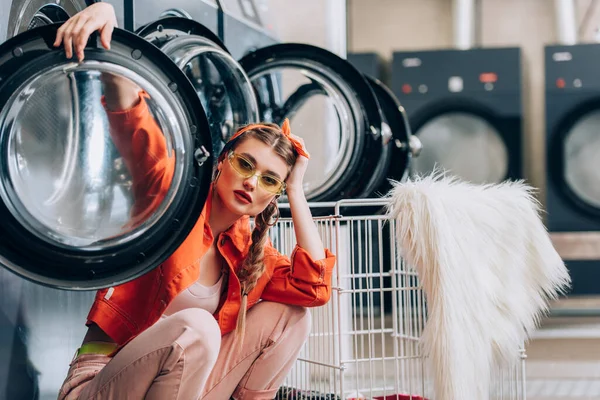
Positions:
{"x": 465, "y": 144}
{"x": 221, "y": 83}
{"x": 92, "y": 197}
{"x": 576, "y": 164}
{"x": 331, "y": 106}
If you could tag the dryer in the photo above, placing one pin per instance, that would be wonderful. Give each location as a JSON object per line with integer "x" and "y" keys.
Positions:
{"x": 466, "y": 108}
{"x": 572, "y": 91}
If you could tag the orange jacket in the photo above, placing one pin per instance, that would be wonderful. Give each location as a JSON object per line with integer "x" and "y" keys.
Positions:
{"x": 126, "y": 310}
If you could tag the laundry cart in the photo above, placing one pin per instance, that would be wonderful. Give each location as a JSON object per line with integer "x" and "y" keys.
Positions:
{"x": 364, "y": 344}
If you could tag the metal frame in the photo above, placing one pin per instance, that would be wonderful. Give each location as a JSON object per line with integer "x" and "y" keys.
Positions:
{"x": 359, "y": 346}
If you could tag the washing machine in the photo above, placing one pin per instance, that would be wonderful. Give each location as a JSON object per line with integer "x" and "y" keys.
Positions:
{"x": 572, "y": 163}
{"x": 396, "y": 127}
{"x": 205, "y": 12}
{"x": 330, "y": 104}
{"x": 370, "y": 64}
{"x": 73, "y": 208}
{"x": 466, "y": 108}
{"x": 246, "y": 25}
{"x": 19, "y": 15}
{"x": 401, "y": 147}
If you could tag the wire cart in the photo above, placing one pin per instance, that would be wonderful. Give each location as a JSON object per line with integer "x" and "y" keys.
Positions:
{"x": 364, "y": 343}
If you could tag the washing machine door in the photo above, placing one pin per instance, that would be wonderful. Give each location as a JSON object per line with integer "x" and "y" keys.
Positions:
{"x": 463, "y": 140}
{"x": 399, "y": 144}
{"x": 220, "y": 82}
{"x": 23, "y": 15}
{"x": 91, "y": 196}
{"x": 330, "y": 105}
{"x": 574, "y": 162}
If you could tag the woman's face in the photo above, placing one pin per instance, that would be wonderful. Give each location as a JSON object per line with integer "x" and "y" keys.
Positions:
{"x": 244, "y": 196}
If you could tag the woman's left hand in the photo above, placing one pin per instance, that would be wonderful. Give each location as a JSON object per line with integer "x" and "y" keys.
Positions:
{"x": 296, "y": 177}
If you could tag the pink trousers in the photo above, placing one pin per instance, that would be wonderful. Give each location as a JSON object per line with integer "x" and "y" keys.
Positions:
{"x": 184, "y": 357}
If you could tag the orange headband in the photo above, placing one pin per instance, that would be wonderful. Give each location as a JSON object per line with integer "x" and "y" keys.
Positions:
{"x": 285, "y": 129}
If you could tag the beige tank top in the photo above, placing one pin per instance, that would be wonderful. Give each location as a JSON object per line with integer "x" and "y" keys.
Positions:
{"x": 197, "y": 296}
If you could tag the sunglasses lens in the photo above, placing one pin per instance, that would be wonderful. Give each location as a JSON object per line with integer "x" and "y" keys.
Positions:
{"x": 246, "y": 169}
{"x": 242, "y": 166}
{"x": 271, "y": 183}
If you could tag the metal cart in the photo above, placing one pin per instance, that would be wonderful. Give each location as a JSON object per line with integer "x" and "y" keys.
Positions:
{"x": 364, "y": 343}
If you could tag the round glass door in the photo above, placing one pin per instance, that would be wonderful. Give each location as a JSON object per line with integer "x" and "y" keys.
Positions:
{"x": 106, "y": 163}
{"x": 581, "y": 160}
{"x": 465, "y": 145}
{"x": 220, "y": 82}
{"x": 330, "y": 105}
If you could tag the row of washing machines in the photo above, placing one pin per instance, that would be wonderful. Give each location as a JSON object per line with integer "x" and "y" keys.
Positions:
{"x": 466, "y": 106}
{"x": 67, "y": 192}
{"x": 216, "y": 65}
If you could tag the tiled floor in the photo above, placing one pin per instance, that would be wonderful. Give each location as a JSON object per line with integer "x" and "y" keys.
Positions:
{"x": 563, "y": 360}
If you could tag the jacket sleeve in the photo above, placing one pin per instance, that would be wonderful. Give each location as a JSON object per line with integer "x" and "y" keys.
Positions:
{"x": 143, "y": 148}
{"x": 300, "y": 281}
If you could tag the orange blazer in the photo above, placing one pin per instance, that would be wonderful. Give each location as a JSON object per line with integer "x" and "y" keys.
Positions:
{"x": 126, "y": 310}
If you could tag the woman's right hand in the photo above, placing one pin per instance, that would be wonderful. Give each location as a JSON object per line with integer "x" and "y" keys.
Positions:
{"x": 82, "y": 370}
{"x": 75, "y": 32}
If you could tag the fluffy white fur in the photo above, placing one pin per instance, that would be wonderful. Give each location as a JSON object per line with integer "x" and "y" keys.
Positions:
{"x": 488, "y": 269}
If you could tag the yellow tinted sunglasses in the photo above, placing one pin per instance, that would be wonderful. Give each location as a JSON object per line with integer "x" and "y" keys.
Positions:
{"x": 246, "y": 169}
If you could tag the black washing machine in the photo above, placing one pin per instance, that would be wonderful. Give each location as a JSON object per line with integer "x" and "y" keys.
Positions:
{"x": 572, "y": 151}
{"x": 402, "y": 148}
{"x": 329, "y": 103}
{"x": 73, "y": 216}
{"x": 370, "y": 64}
{"x": 466, "y": 108}
{"x": 48, "y": 245}
{"x": 396, "y": 125}
{"x": 220, "y": 82}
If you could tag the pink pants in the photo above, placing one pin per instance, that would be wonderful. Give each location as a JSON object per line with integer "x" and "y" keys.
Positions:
{"x": 184, "y": 357}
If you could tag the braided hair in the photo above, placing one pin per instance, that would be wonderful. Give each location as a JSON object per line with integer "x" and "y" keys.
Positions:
{"x": 253, "y": 266}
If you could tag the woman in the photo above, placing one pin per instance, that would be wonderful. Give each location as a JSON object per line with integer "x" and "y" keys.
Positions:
{"x": 225, "y": 314}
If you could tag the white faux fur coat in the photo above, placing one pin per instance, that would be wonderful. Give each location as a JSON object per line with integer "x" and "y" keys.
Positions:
{"x": 488, "y": 269}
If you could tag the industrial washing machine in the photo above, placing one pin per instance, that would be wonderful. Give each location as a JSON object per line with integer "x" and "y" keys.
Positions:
{"x": 205, "y": 12}
{"x": 399, "y": 153}
{"x": 245, "y": 26}
{"x": 47, "y": 245}
{"x": 73, "y": 216}
{"x": 572, "y": 159}
{"x": 466, "y": 107}
{"x": 330, "y": 104}
{"x": 20, "y": 15}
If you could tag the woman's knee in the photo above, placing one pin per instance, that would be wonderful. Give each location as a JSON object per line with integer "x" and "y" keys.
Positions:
{"x": 303, "y": 323}
{"x": 202, "y": 332}
{"x": 294, "y": 320}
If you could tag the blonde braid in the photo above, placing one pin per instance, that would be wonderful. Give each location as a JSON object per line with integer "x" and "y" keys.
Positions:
{"x": 253, "y": 266}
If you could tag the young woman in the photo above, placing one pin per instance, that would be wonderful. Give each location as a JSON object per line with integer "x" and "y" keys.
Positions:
{"x": 225, "y": 315}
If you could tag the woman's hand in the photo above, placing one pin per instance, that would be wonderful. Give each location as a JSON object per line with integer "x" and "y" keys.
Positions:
{"x": 81, "y": 371}
{"x": 74, "y": 33}
{"x": 296, "y": 177}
